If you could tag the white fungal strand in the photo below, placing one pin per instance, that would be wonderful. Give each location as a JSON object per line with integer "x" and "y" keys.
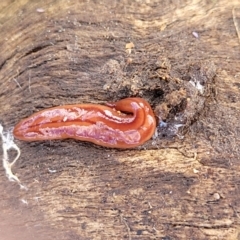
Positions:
{"x": 7, "y": 144}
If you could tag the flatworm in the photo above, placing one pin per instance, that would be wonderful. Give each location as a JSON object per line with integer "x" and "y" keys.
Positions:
{"x": 127, "y": 123}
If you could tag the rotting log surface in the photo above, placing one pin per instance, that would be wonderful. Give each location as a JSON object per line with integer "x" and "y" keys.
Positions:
{"x": 173, "y": 187}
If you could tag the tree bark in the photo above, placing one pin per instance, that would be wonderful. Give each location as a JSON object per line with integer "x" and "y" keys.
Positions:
{"x": 180, "y": 56}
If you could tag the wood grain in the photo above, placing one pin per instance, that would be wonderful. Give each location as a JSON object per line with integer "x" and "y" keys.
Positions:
{"x": 182, "y": 186}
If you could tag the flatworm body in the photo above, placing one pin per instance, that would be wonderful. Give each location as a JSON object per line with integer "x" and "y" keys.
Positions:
{"x": 124, "y": 124}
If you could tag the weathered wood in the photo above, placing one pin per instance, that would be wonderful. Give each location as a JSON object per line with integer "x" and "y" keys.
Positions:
{"x": 183, "y": 186}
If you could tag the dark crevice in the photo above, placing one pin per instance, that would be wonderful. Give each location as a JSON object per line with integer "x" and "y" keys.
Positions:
{"x": 40, "y": 47}
{"x": 198, "y": 226}
{"x": 33, "y": 67}
{"x": 4, "y": 62}
{"x": 34, "y": 50}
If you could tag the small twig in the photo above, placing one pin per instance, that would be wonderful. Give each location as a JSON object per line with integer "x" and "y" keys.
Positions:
{"x": 29, "y": 82}
{"x": 236, "y": 22}
{"x": 234, "y": 210}
{"x": 16, "y": 81}
{"x": 128, "y": 228}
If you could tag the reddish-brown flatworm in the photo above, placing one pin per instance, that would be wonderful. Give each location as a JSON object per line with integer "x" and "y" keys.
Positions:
{"x": 124, "y": 124}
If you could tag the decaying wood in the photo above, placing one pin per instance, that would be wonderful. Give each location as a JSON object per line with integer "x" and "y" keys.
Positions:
{"x": 183, "y": 58}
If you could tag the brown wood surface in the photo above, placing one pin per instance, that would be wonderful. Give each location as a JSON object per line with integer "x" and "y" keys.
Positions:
{"x": 183, "y": 186}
